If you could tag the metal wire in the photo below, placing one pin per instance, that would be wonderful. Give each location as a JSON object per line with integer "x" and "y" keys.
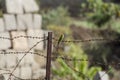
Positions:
{"x": 22, "y": 36}
{"x": 54, "y": 57}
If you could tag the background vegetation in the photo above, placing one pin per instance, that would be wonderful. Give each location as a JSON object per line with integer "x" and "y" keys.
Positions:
{"x": 93, "y": 19}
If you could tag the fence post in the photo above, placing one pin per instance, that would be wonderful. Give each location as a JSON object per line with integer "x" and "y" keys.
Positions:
{"x": 49, "y": 51}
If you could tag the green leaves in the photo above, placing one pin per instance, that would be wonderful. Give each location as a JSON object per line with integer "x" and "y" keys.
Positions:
{"x": 60, "y": 39}
{"x": 59, "y": 16}
{"x": 74, "y": 70}
{"x": 100, "y": 12}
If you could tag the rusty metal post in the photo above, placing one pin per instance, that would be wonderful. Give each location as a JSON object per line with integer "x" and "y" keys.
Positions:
{"x": 49, "y": 51}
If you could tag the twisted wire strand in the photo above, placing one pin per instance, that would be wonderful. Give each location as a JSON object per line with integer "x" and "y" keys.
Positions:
{"x": 89, "y": 40}
{"x": 24, "y": 56}
{"x": 55, "y": 57}
{"x": 22, "y": 36}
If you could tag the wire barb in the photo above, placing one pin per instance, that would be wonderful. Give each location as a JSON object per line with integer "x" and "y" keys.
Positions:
{"x": 53, "y": 57}
{"x": 22, "y": 36}
{"x": 23, "y": 57}
{"x": 89, "y": 40}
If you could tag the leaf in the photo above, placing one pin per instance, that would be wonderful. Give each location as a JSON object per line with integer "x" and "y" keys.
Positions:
{"x": 60, "y": 39}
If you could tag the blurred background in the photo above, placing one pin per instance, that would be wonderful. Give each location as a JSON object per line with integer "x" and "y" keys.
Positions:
{"x": 84, "y": 20}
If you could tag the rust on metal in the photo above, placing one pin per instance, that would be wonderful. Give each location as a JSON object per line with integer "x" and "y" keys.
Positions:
{"x": 49, "y": 52}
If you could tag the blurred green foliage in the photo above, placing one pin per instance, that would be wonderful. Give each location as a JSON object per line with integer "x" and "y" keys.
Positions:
{"x": 115, "y": 25}
{"x": 63, "y": 71}
{"x": 58, "y": 16}
{"x": 59, "y": 29}
{"x": 95, "y": 14}
{"x": 100, "y": 12}
{"x": 81, "y": 69}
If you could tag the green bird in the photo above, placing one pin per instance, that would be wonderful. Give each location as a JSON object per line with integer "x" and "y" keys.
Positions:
{"x": 60, "y": 39}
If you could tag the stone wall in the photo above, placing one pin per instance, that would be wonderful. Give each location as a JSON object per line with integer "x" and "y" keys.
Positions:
{"x": 21, "y": 19}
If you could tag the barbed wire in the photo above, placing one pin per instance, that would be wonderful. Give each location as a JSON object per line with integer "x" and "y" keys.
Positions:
{"x": 21, "y": 52}
{"x": 63, "y": 41}
{"x": 53, "y": 57}
{"x": 23, "y": 57}
{"x": 22, "y": 36}
{"x": 63, "y": 58}
{"x": 16, "y": 37}
{"x": 56, "y": 57}
{"x": 89, "y": 40}
{"x": 44, "y": 56}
